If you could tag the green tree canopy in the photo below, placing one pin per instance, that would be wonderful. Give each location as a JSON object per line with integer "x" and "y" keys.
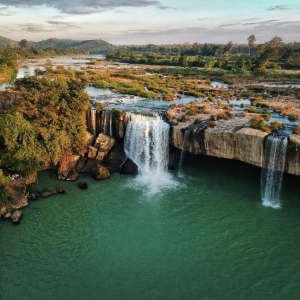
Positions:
{"x": 19, "y": 148}
{"x": 56, "y": 109}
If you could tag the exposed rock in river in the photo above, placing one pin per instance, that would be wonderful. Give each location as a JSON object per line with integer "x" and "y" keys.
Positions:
{"x": 100, "y": 173}
{"x": 17, "y": 200}
{"x": 129, "y": 167}
{"x": 16, "y": 216}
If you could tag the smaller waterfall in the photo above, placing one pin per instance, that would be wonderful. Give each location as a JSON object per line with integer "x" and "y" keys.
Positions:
{"x": 92, "y": 121}
{"x": 271, "y": 176}
{"x": 185, "y": 140}
{"x": 106, "y": 122}
{"x": 147, "y": 144}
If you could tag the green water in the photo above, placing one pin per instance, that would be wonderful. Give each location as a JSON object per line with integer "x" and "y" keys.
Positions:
{"x": 209, "y": 237}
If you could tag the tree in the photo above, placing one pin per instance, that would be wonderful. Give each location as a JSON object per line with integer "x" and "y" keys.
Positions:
{"x": 183, "y": 61}
{"x": 19, "y": 147}
{"x": 56, "y": 109}
{"x": 229, "y": 47}
{"x": 251, "y": 39}
{"x": 23, "y": 44}
{"x": 275, "y": 43}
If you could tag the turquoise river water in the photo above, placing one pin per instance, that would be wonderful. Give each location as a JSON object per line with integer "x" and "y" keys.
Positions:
{"x": 205, "y": 235}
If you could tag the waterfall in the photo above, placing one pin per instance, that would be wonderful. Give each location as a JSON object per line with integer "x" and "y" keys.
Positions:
{"x": 185, "y": 140}
{"x": 133, "y": 117}
{"x": 147, "y": 144}
{"x": 92, "y": 121}
{"x": 271, "y": 176}
{"x": 106, "y": 122}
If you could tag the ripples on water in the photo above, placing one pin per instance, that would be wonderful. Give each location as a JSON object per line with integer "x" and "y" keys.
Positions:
{"x": 208, "y": 237}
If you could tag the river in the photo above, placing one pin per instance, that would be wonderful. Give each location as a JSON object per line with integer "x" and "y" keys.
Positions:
{"x": 202, "y": 233}
{"x": 205, "y": 237}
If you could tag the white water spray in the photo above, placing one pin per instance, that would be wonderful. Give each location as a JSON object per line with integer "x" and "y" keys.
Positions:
{"x": 271, "y": 176}
{"x": 147, "y": 144}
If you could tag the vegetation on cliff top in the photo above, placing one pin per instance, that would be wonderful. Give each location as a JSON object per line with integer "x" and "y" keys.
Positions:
{"x": 47, "y": 118}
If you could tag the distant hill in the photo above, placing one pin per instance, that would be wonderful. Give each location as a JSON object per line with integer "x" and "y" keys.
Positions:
{"x": 91, "y": 46}
{"x": 4, "y": 42}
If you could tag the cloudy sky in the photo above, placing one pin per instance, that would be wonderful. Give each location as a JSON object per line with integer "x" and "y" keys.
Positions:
{"x": 151, "y": 21}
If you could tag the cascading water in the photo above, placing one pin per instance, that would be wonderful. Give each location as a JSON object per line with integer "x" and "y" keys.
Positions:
{"x": 92, "y": 121}
{"x": 147, "y": 144}
{"x": 106, "y": 122}
{"x": 271, "y": 176}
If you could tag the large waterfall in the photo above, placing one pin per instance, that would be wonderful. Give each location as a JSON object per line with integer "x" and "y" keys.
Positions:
{"x": 271, "y": 177}
{"x": 147, "y": 144}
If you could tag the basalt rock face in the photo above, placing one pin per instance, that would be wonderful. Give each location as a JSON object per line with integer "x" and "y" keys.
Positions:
{"x": 129, "y": 167}
{"x": 67, "y": 167}
{"x": 100, "y": 173}
{"x": 231, "y": 139}
{"x": 95, "y": 153}
{"x": 17, "y": 190}
{"x": 292, "y": 163}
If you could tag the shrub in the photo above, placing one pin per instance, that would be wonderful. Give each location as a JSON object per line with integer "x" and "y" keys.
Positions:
{"x": 197, "y": 121}
{"x": 276, "y": 125}
{"x": 212, "y": 124}
{"x": 257, "y": 122}
{"x": 296, "y": 130}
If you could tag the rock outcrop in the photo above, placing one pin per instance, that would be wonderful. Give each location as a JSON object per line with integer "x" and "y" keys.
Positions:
{"x": 292, "y": 164}
{"x": 17, "y": 200}
{"x": 100, "y": 173}
{"x": 129, "y": 167}
{"x": 16, "y": 216}
{"x": 95, "y": 153}
{"x": 232, "y": 139}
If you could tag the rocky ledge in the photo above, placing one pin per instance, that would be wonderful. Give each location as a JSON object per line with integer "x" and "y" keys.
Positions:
{"x": 231, "y": 139}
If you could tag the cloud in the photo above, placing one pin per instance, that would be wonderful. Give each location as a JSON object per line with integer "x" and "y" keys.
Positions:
{"x": 31, "y": 27}
{"x": 279, "y": 7}
{"x": 61, "y": 24}
{"x": 79, "y": 7}
{"x": 163, "y": 7}
{"x": 3, "y": 11}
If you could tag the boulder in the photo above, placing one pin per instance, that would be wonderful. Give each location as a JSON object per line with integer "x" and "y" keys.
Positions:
{"x": 16, "y": 216}
{"x": 60, "y": 190}
{"x": 115, "y": 158}
{"x": 33, "y": 196}
{"x": 129, "y": 167}
{"x": 90, "y": 165}
{"x": 101, "y": 155}
{"x": 82, "y": 185}
{"x": 67, "y": 166}
{"x": 100, "y": 173}
{"x": 104, "y": 142}
{"x": 92, "y": 153}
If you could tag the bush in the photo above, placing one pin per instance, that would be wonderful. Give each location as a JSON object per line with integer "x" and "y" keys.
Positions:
{"x": 212, "y": 124}
{"x": 257, "y": 122}
{"x": 296, "y": 130}
{"x": 274, "y": 126}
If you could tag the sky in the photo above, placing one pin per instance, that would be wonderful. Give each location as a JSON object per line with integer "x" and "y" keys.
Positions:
{"x": 129, "y": 22}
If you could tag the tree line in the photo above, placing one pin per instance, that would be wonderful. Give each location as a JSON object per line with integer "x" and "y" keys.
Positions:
{"x": 231, "y": 57}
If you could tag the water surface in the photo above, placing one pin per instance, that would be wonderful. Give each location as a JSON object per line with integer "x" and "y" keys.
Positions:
{"x": 209, "y": 237}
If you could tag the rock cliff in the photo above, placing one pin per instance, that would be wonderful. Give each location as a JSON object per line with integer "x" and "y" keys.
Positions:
{"x": 231, "y": 139}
